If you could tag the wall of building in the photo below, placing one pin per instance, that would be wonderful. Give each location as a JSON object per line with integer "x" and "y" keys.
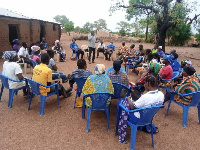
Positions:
{"x": 29, "y": 31}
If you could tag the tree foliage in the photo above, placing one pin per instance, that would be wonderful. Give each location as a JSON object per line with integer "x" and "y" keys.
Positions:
{"x": 62, "y": 19}
{"x": 87, "y": 27}
{"x": 122, "y": 25}
{"x": 100, "y": 24}
{"x": 122, "y": 32}
{"x": 69, "y": 27}
{"x": 166, "y": 13}
{"x": 77, "y": 29}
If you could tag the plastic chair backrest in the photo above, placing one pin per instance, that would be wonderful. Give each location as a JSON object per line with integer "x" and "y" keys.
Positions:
{"x": 118, "y": 88}
{"x": 80, "y": 81}
{"x": 4, "y": 80}
{"x": 34, "y": 86}
{"x": 99, "y": 100}
{"x": 147, "y": 114}
{"x": 175, "y": 74}
{"x": 195, "y": 99}
{"x": 109, "y": 69}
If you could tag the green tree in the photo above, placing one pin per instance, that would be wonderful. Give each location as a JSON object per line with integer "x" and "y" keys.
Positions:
{"x": 122, "y": 32}
{"x": 88, "y": 27}
{"x": 62, "y": 19}
{"x": 100, "y": 24}
{"x": 77, "y": 29}
{"x": 69, "y": 27}
{"x": 122, "y": 25}
{"x": 197, "y": 36}
{"x": 166, "y": 13}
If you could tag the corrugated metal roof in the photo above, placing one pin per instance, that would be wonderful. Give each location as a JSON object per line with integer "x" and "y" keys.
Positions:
{"x": 9, "y": 13}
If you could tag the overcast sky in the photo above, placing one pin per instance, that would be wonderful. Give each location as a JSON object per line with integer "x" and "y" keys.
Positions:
{"x": 78, "y": 11}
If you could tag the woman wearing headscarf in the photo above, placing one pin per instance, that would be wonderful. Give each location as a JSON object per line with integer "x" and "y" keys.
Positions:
{"x": 16, "y": 46}
{"x": 13, "y": 70}
{"x": 59, "y": 50}
{"x": 189, "y": 84}
{"x": 118, "y": 76}
{"x": 36, "y": 52}
{"x": 97, "y": 83}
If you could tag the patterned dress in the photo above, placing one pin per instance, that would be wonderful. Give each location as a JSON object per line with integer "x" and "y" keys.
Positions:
{"x": 97, "y": 83}
{"x": 188, "y": 85}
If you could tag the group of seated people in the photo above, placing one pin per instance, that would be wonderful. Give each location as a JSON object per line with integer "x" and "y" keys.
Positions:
{"x": 156, "y": 66}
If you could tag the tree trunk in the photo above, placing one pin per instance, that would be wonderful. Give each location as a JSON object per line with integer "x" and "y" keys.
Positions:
{"x": 69, "y": 33}
{"x": 161, "y": 38}
{"x": 147, "y": 31}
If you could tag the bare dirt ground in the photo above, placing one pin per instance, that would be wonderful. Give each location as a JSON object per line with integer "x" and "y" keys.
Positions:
{"x": 63, "y": 128}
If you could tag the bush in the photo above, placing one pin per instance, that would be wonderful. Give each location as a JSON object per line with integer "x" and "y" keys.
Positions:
{"x": 141, "y": 35}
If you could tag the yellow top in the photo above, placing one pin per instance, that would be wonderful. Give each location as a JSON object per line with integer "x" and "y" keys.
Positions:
{"x": 42, "y": 74}
{"x": 123, "y": 49}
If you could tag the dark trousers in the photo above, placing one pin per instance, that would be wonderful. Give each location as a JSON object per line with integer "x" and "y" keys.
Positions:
{"x": 108, "y": 53}
{"x": 27, "y": 61}
{"x": 80, "y": 52}
{"x": 100, "y": 50}
{"x": 90, "y": 51}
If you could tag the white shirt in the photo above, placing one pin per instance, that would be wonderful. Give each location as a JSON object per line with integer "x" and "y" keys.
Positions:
{"x": 92, "y": 41}
{"x": 23, "y": 52}
{"x": 11, "y": 70}
{"x": 101, "y": 46}
{"x": 51, "y": 63}
{"x": 149, "y": 99}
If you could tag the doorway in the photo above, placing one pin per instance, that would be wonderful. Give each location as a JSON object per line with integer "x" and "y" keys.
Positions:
{"x": 13, "y": 32}
{"x": 42, "y": 30}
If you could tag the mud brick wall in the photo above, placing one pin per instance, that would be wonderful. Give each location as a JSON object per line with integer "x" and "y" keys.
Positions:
{"x": 29, "y": 31}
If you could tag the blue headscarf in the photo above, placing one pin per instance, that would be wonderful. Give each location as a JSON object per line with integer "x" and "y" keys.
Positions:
{"x": 15, "y": 40}
{"x": 9, "y": 55}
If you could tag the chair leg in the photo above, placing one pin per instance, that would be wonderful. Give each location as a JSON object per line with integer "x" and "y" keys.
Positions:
{"x": 11, "y": 95}
{"x": 83, "y": 108}
{"x": 152, "y": 136}
{"x": 133, "y": 135}
{"x": 185, "y": 115}
{"x": 169, "y": 103}
{"x": 2, "y": 87}
{"x": 30, "y": 96}
{"x": 75, "y": 98}
{"x": 198, "y": 107}
{"x": 58, "y": 104}
{"x": 42, "y": 103}
{"x": 107, "y": 116}
{"x": 88, "y": 119}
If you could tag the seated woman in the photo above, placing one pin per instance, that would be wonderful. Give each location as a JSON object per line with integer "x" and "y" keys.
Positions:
{"x": 36, "y": 52}
{"x": 52, "y": 66}
{"x": 13, "y": 70}
{"x": 76, "y": 49}
{"x": 16, "y": 46}
{"x": 189, "y": 84}
{"x": 118, "y": 76}
{"x": 97, "y": 83}
{"x": 109, "y": 50}
{"x": 166, "y": 71}
{"x": 152, "y": 97}
{"x": 131, "y": 54}
{"x": 59, "y": 50}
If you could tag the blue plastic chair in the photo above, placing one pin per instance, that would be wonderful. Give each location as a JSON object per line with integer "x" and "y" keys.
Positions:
{"x": 146, "y": 117}
{"x": 174, "y": 76}
{"x": 80, "y": 81}
{"x": 99, "y": 101}
{"x": 36, "y": 91}
{"x": 5, "y": 84}
{"x": 130, "y": 61}
{"x": 109, "y": 69}
{"x": 118, "y": 88}
{"x": 74, "y": 52}
{"x": 198, "y": 75}
{"x": 195, "y": 102}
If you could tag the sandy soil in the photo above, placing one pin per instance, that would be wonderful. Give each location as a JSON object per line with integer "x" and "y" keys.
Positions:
{"x": 63, "y": 128}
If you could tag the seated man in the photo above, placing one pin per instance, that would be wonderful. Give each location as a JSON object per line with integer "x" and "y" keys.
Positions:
{"x": 141, "y": 49}
{"x": 43, "y": 75}
{"x": 23, "y": 54}
{"x": 80, "y": 72}
{"x": 76, "y": 49}
{"x": 59, "y": 49}
{"x": 109, "y": 51}
{"x": 44, "y": 43}
{"x": 152, "y": 97}
{"x": 160, "y": 52}
{"x": 12, "y": 70}
{"x": 189, "y": 84}
{"x": 101, "y": 48}
{"x": 131, "y": 54}
{"x": 122, "y": 50}
{"x": 118, "y": 76}
{"x": 54, "y": 68}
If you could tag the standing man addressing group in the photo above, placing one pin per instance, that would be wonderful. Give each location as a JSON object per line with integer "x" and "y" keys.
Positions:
{"x": 92, "y": 40}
